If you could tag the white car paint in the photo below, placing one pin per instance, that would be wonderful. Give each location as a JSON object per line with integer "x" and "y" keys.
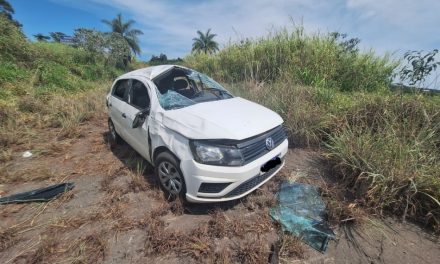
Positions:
{"x": 235, "y": 119}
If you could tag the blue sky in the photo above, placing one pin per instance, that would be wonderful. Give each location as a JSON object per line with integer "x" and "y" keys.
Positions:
{"x": 169, "y": 25}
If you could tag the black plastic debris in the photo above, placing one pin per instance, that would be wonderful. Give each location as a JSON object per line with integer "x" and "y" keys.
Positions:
{"x": 39, "y": 195}
{"x": 301, "y": 212}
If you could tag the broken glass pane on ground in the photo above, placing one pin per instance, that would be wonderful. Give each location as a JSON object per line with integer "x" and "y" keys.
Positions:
{"x": 301, "y": 212}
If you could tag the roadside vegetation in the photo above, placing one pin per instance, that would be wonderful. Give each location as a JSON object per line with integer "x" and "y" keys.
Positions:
{"x": 50, "y": 85}
{"x": 382, "y": 145}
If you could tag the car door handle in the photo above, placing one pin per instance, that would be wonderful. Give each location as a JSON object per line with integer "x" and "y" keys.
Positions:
{"x": 123, "y": 115}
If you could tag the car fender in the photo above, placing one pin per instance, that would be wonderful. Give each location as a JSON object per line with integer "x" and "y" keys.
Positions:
{"x": 162, "y": 136}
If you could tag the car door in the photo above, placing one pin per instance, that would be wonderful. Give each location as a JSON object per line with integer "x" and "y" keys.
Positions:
{"x": 139, "y": 99}
{"x": 117, "y": 105}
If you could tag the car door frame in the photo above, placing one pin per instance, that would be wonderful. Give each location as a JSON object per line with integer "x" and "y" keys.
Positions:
{"x": 117, "y": 107}
{"x": 137, "y": 137}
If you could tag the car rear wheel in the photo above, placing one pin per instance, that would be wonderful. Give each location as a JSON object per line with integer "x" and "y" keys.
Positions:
{"x": 114, "y": 137}
{"x": 169, "y": 175}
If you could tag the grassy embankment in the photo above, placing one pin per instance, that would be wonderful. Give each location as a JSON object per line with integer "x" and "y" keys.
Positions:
{"x": 46, "y": 85}
{"x": 383, "y": 146}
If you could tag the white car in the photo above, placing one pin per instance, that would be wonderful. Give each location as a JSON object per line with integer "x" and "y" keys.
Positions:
{"x": 205, "y": 144}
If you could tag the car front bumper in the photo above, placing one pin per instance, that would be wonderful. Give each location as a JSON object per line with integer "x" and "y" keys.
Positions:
{"x": 228, "y": 183}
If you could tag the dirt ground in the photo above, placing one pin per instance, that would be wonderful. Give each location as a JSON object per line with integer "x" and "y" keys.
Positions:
{"x": 117, "y": 214}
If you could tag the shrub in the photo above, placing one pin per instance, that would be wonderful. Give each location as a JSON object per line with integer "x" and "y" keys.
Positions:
{"x": 387, "y": 151}
{"x": 383, "y": 147}
{"x": 316, "y": 60}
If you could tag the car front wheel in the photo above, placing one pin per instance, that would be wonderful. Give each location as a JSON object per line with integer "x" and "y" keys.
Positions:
{"x": 170, "y": 177}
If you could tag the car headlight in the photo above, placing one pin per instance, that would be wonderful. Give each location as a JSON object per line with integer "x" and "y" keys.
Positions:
{"x": 216, "y": 154}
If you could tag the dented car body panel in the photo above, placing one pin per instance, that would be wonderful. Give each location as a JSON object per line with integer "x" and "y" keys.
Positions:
{"x": 222, "y": 143}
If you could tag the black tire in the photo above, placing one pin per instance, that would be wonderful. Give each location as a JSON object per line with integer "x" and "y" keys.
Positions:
{"x": 114, "y": 138}
{"x": 169, "y": 176}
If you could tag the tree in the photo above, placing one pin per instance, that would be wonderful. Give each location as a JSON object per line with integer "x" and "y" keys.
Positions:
{"x": 419, "y": 66}
{"x": 205, "y": 42}
{"x": 7, "y": 10}
{"x": 5, "y": 7}
{"x": 125, "y": 29}
{"x": 90, "y": 40}
{"x": 111, "y": 46}
{"x": 347, "y": 45}
{"x": 57, "y": 36}
{"x": 40, "y": 37}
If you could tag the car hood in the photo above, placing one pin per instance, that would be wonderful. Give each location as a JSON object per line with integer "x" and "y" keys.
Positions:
{"x": 234, "y": 118}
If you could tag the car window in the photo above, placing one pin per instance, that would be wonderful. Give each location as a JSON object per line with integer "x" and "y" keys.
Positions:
{"x": 182, "y": 87}
{"x": 139, "y": 95}
{"x": 121, "y": 90}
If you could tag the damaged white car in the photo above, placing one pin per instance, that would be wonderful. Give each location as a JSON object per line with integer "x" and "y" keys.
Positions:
{"x": 205, "y": 144}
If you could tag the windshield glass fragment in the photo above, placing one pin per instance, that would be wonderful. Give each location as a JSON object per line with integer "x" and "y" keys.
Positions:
{"x": 182, "y": 87}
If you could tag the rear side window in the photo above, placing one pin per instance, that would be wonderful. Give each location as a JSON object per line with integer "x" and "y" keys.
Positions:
{"x": 139, "y": 95}
{"x": 121, "y": 89}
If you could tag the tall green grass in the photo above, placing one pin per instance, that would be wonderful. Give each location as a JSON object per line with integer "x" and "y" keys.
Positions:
{"x": 42, "y": 68}
{"x": 316, "y": 60}
{"x": 383, "y": 147}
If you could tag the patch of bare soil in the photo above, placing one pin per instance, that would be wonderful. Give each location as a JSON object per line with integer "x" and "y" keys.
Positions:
{"x": 117, "y": 214}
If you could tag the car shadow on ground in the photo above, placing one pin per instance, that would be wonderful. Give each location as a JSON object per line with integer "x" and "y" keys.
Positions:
{"x": 137, "y": 164}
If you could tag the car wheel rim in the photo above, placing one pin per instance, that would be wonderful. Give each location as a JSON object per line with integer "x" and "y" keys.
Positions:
{"x": 170, "y": 178}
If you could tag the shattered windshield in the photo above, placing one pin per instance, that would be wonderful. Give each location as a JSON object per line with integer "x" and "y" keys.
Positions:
{"x": 182, "y": 87}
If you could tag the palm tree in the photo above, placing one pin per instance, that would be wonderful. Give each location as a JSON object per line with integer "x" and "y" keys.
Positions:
{"x": 6, "y": 8}
{"x": 123, "y": 28}
{"x": 41, "y": 37}
{"x": 205, "y": 43}
{"x": 57, "y": 36}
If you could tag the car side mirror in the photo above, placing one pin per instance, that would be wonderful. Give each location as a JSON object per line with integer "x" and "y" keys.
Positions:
{"x": 140, "y": 118}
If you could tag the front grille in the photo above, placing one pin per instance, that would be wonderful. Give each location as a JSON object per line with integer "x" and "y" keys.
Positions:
{"x": 256, "y": 147}
{"x": 251, "y": 183}
{"x": 212, "y": 187}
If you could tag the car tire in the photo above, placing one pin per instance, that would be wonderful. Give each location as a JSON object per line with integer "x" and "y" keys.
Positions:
{"x": 114, "y": 138}
{"x": 170, "y": 177}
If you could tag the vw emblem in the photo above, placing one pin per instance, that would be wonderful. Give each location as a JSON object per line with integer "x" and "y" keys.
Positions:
{"x": 269, "y": 143}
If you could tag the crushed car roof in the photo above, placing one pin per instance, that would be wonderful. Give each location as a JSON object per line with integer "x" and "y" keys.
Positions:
{"x": 150, "y": 72}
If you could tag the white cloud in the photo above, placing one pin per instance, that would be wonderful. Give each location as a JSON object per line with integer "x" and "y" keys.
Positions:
{"x": 169, "y": 26}
{"x": 399, "y": 24}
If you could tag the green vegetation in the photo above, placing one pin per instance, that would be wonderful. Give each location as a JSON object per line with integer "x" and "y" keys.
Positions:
{"x": 41, "y": 37}
{"x": 124, "y": 29}
{"x": 317, "y": 60}
{"x": 383, "y": 146}
{"x": 205, "y": 43}
{"x": 57, "y": 36}
{"x": 420, "y": 66}
{"x": 46, "y": 85}
{"x": 6, "y": 11}
{"x": 36, "y": 68}
{"x": 163, "y": 59}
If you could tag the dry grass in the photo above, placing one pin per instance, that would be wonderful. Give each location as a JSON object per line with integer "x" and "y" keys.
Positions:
{"x": 137, "y": 181}
{"x": 89, "y": 249}
{"x": 264, "y": 197}
{"x": 252, "y": 250}
{"x": 44, "y": 252}
{"x": 290, "y": 247}
{"x": 8, "y": 237}
{"x": 28, "y": 119}
{"x": 200, "y": 243}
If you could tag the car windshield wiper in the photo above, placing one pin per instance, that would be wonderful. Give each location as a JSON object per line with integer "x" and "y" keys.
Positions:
{"x": 221, "y": 92}
{"x": 177, "y": 106}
